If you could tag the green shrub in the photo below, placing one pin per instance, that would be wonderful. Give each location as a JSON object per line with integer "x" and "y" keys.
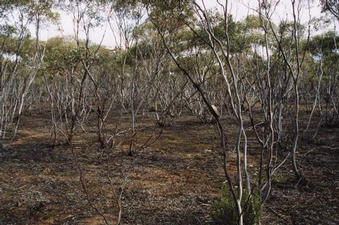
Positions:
{"x": 224, "y": 210}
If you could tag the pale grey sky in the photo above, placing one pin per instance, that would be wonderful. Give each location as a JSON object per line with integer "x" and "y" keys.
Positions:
{"x": 239, "y": 9}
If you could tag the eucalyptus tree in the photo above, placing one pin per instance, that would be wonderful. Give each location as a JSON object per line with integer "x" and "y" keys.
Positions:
{"x": 224, "y": 53}
{"x": 61, "y": 79}
{"x": 215, "y": 35}
{"x": 141, "y": 63}
{"x": 271, "y": 79}
{"x": 331, "y": 6}
{"x": 21, "y": 59}
{"x": 181, "y": 17}
{"x": 289, "y": 47}
{"x": 158, "y": 86}
{"x": 81, "y": 85}
{"x": 271, "y": 86}
{"x": 323, "y": 50}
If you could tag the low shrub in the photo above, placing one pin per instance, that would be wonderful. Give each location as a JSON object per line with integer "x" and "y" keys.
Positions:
{"x": 224, "y": 210}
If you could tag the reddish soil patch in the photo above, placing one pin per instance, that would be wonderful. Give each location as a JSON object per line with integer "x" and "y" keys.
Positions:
{"x": 174, "y": 181}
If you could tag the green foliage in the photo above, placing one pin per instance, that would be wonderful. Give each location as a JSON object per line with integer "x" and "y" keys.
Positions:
{"x": 323, "y": 47}
{"x": 324, "y": 43}
{"x": 7, "y": 30}
{"x": 224, "y": 210}
{"x": 30, "y": 9}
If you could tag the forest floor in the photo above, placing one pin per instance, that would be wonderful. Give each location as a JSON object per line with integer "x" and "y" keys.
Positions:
{"x": 173, "y": 181}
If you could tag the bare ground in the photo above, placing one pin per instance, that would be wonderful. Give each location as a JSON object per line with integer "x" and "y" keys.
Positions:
{"x": 174, "y": 181}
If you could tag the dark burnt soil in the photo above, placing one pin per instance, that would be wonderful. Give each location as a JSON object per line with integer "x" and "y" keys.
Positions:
{"x": 314, "y": 200}
{"x": 173, "y": 181}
